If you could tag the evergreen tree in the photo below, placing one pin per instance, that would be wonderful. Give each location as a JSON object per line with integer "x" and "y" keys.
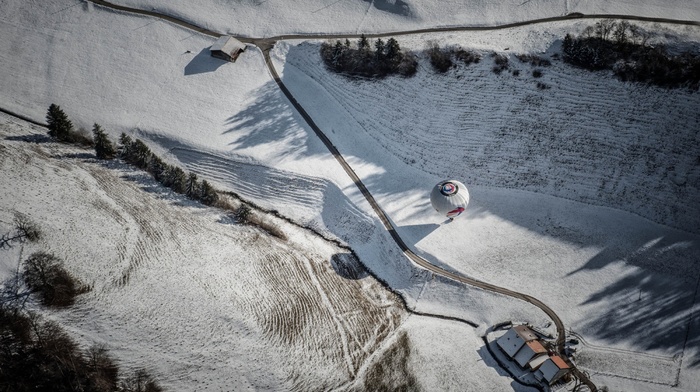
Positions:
{"x": 192, "y": 186}
{"x": 393, "y": 51}
{"x": 207, "y": 193}
{"x": 338, "y": 50}
{"x": 177, "y": 179}
{"x": 104, "y": 149}
{"x": 379, "y": 50}
{"x": 125, "y": 142}
{"x": 363, "y": 44}
{"x": 60, "y": 126}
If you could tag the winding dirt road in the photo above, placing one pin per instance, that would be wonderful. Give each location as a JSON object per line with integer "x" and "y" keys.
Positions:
{"x": 265, "y": 44}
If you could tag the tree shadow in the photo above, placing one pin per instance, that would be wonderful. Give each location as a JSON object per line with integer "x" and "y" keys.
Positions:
{"x": 348, "y": 266}
{"x": 397, "y": 7}
{"x": 651, "y": 307}
{"x": 31, "y": 138}
{"x": 203, "y": 62}
{"x": 268, "y": 119}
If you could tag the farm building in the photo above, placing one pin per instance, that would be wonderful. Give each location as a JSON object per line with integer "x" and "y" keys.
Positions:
{"x": 514, "y": 339}
{"x": 553, "y": 369}
{"x": 227, "y": 48}
{"x": 531, "y": 355}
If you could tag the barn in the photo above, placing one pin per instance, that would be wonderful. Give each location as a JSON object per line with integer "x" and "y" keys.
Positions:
{"x": 227, "y": 48}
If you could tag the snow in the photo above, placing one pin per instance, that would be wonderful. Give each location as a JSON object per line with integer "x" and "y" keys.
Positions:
{"x": 277, "y": 17}
{"x": 562, "y": 211}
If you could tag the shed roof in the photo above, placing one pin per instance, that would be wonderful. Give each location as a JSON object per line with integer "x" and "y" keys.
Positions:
{"x": 227, "y": 44}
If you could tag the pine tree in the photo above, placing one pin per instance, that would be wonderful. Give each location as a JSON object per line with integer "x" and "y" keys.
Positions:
{"x": 363, "y": 44}
{"x": 104, "y": 149}
{"x": 379, "y": 50}
{"x": 338, "y": 50}
{"x": 207, "y": 193}
{"x": 125, "y": 142}
{"x": 393, "y": 52}
{"x": 60, "y": 126}
{"x": 192, "y": 186}
{"x": 177, "y": 179}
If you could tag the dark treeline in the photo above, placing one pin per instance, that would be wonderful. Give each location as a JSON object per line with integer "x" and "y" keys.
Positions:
{"x": 138, "y": 154}
{"x": 625, "y": 49}
{"x": 373, "y": 61}
{"x": 37, "y": 354}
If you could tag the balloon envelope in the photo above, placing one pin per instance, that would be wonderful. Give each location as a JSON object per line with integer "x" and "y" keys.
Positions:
{"x": 449, "y": 198}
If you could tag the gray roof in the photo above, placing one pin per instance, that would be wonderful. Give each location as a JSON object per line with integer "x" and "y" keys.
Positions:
{"x": 227, "y": 44}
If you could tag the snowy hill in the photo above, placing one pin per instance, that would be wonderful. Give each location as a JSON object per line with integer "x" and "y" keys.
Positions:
{"x": 584, "y": 194}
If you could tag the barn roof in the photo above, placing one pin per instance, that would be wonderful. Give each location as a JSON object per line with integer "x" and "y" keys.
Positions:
{"x": 227, "y": 44}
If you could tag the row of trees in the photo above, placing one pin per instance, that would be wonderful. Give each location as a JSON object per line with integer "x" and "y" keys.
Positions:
{"x": 625, "y": 49}
{"x": 136, "y": 153}
{"x": 360, "y": 59}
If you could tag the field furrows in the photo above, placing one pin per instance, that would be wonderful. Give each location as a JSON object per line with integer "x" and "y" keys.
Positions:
{"x": 274, "y": 189}
{"x": 322, "y": 309}
{"x": 252, "y": 180}
{"x": 616, "y": 144}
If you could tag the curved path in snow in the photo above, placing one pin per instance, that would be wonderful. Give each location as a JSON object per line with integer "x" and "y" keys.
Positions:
{"x": 265, "y": 44}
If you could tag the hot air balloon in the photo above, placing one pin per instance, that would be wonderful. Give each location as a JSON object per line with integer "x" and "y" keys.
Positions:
{"x": 449, "y": 198}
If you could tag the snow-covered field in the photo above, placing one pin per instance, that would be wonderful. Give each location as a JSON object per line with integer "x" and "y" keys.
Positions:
{"x": 584, "y": 195}
{"x": 277, "y": 17}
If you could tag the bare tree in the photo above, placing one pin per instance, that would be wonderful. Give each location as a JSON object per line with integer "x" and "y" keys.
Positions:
{"x": 43, "y": 273}
{"x": 604, "y": 28}
{"x": 24, "y": 230}
{"x": 141, "y": 381}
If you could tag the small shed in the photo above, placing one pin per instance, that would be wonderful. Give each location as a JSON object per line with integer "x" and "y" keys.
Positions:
{"x": 227, "y": 48}
{"x": 553, "y": 369}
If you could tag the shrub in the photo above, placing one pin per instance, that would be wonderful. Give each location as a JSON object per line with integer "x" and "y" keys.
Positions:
{"x": 537, "y": 73}
{"x": 500, "y": 63}
{"x": 44, "y": 274}
{"x": 467, "y": 57}
{"x": 534, "y": 60}
{"x": 440, "y": 59}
